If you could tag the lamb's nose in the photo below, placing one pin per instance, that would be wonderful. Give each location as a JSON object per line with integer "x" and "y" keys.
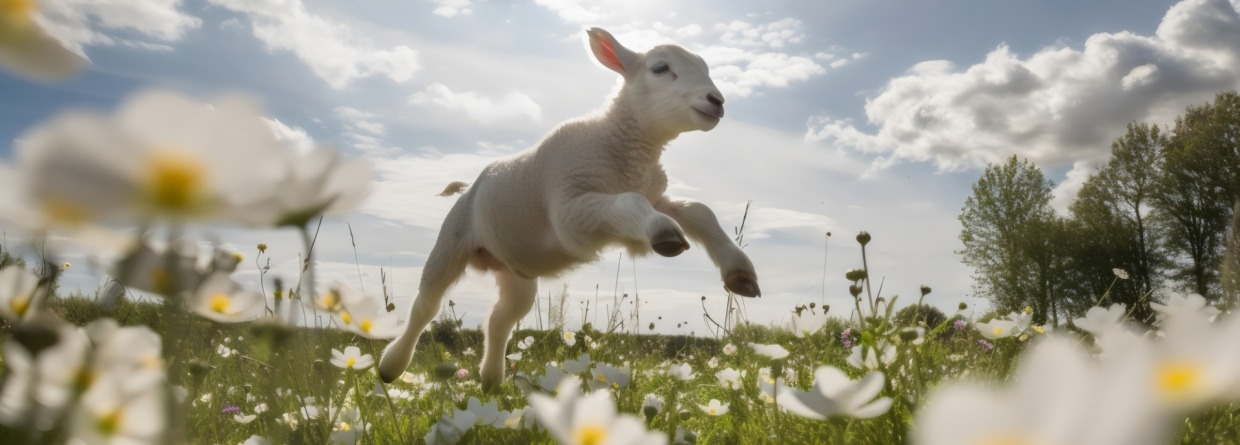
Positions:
{"x": 714, "y": 98}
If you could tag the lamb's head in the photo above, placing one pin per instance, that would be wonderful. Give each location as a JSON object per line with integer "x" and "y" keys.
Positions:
{"x": 668, "y": 87}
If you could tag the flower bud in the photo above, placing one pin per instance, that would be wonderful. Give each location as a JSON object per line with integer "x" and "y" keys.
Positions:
{"x": 962, "y": 306}
{"x": 854, "y": 289}
{"x": 863, "y": 238}
{"x": 925, "y": 290}
{"x": 262, "y": 247}
{"x": 855, "y": 275}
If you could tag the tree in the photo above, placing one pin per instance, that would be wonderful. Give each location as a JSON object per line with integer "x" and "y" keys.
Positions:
{"x": 1112, "y": 218}
{"x": 1009, "y": 237}
{"x": 1199, "y": 182}
{"x": 1231, "y": 262}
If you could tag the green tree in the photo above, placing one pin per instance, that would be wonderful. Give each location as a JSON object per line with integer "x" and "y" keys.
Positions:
{"x": 1113, "y": 217}
{"x": 1231, "y": 262}
{"x": 1200, "y": 180}
{"x": 1008, "y": 232}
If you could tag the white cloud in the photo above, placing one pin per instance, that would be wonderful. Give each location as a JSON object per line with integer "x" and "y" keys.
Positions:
{"x": 1056, "y": 106}
{"x": 741, "y": 72}
{"x": 295, "y": 138}
{"x": 361, "y": 120}
{"x": 477, "y": 106}
{"x": 77, "y": 23}
{"x": 573, "y": 11}
{"x": 451, "y": 8}
{"x": 335, "y": 52}
{"x": 1065, "y": 192}
{"x": 775, "y": 34}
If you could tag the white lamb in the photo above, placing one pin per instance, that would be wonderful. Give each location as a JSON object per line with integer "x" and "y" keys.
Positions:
{"x": 591, "y": 183}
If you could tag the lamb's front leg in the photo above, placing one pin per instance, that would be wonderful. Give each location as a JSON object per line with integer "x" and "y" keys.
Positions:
{"x": 587, "y": 222}
{"x": 700, "y": 223}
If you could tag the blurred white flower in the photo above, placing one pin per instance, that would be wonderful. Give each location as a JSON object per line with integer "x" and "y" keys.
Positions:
{"x": 607, "y": 376}
{"x": 774, "y": 352}
{"x": 682, "y": 372}
{"x": 570, "y": 338}
{"x": 586, "y": 419}
{"x": 27, "y": 49}
{"x": 1057, "y": 396}
{"x": 651, "y": 406}
{"x": 121, "y": 408}
{"x": 256, "y": 440}
{"x": 449, "y": 430}
{"x": 223, "y": 300}
{"x": 714, "y": 407}
{"x": 1100, "y": 321}
{"x": 729, "y": 349}
{"x": 485, "y": 413}
{"x": 729, "y": 378}
{"x": 834, "y": 394}
{"x": 579, "y": 364}
{"x": 167, "y": 271}
{"x": 317, "y": 183}
{"x": 468, "y": 352}
{"x": 713, "y": 362}
{"x": 160, "y": 155}
{"x": 1120, "y": 273}
{"x": 551, "y": 378}
{"x": 244, "y": 418}
{"x": 53, "y": 374}
{"x": 351, "y": 358}
{"x": 516, "y": 356}
{"x": 525, "y": 343}
{"x": 17, "y": 293}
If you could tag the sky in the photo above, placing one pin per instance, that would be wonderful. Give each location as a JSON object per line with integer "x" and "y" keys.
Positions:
{"x": 842, "y": 116}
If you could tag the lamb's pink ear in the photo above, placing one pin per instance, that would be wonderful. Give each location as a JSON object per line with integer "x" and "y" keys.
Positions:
{"x": 609, "y": 52}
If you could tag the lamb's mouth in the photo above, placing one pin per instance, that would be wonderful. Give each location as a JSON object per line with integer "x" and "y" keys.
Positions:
{"x": 710, "y": 115}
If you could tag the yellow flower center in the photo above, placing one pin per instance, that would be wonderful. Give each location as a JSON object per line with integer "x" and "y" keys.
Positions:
{"x": 175, "y": 183}
{"x": 238, "y": 256}
{"x": 998, "y": 331}
{"x": 349, "y": 363}
{"x": 153, "y": 362}
{"x": 1039, "y": 329}
{"x": 344, "y": 426}
{"x": 602, "y": 378}
{"x": 346, "y": 317}
{"x": 1178, "y": 379}
{"x": 18, "y": 9}
{"x": 365, "y": 326}
{"x": 63, "y": 211}
{"x": 329, "y": 300}
{"x": 20, "y": 304}
{"x": 110, "y": 423}
{"x": 161, "y": 280}
{"x": 713, "y": 411}
{"x": 511, "y": 421}
{"x": 219, "y": 303}
{"x": 591, "y": 434}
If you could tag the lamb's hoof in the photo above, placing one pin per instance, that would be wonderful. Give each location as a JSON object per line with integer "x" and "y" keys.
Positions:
{"x": 490, "y": 386}
{"x": 743, "y": 284}
{"x": 669, "y": 244}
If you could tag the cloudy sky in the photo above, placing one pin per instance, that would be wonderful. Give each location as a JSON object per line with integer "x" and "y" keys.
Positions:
{"x": 842, "y": 116}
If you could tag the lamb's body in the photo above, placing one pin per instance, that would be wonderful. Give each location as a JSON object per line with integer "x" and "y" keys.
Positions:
{"x": 591, "y": 183}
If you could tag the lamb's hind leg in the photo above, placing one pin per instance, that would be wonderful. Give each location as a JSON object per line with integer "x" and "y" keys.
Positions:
{"x": 516, "y": 297}
{"x": 443, "y": 267}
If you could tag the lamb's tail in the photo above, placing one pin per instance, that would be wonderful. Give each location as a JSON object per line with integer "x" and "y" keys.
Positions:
{"x": 454, "y": 188}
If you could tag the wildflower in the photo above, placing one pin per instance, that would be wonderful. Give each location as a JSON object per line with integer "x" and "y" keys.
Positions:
{"x": 230, "y": 409}
{"x": 589, "y": 419}
{"x": 486, "y": 414}
{"x": 221, "y": 299}
{"x": 551, "y": 378}
{"x": 864, "y": 357}
{"x": 27, "y": 49}
{"x": 835, "y": 394}
{"x": 570, "y": 338}
{"x": 1100, "y": 321}
{"x": 846, "y": 338}
{"x": 805, "y": 322}
{"x": 651, "y": 406}
{"x": 1120, "y": 273}
{"x": 996, "y": 328}
{"x": 578, "y": 365}
{"x": 262, "y": 247}
{"x": 53, "y": 373}
{"x": 713, "y": 362}
{"x": 985, "y": 344}
{"x": 774, "y": 352}
{"x": 729, "y": 349}
{"x": 160, "y": 155}
{"x": 17, "y": 293}
{"x": 526, "y": 342}
{"x": 729, "y": 378}
{"x": 121, "y": 409}
{"x": 65, "y": 265}
{"x": 462, "y": 374}
{"x": 714, "y": 408}
{"x": 256, "y": 440}
{"x": 351, "y": 358}
{"x": 469, "y": 352}
{"x": 449, "y": 430}
{"x": 170, "y": 271}
{"x": 516, "y": 356}
{"x": 244, "y": 418}
{"x": 607, "y": 376}
{"x": 959, "y": 324}
{"x": 683, "y": 372}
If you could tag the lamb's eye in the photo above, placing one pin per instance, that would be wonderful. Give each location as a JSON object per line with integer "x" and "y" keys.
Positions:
{"x": 659, "y": 67}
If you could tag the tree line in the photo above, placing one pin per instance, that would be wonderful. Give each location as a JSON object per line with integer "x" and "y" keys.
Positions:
{"x": 1159, "y": 216}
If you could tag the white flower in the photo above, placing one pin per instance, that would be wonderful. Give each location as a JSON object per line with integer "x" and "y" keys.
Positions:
{"x": 119, "y": 409}
{"x": 1187, "y": 312}
{"x": 225, "y": 351}
{"x": 244, "y": 418}
{"x": 160, "y": 155}
{"x": 570, "y": 338}
{"x": 54, "y": 374}
{"x": 486, "y": 414}
{"x": 863, "y": 357}
{"x": 468, "y": 352}
{"x": 516, "y": 356}
{"x": 652, "y": 405}
{"x": 449, "y": 430}
{"x": 775, "y": 352}
{"x": 351, "y": 358}
{"x": 17, "y": 293}
{"x": 607, "y": 376}
{"x": 835, "y": 394}
{"x": 682, "y": 372}
{"x": 551, "y": 379}
{"x": 1100, "y": 321}
{"x": 729, "y": 349}
{"x": 806, "y": 322}
{"x": 713, "y": 362}
{"x": 729, "y": 378}
{"x": 256, "y": 440}
{"x": 1057, "y": 397}
{"x": 586, "y": 419}
{"x": 27, "y": 49}
{"x": 526, "y": 342}
{"x": 169, "y": 271}
{"x": 1120, "y": 273}
{"x": 362, "y": 314}
{"x": 578, "y": 365}
{"x": 316, "y": 183}
{"x": 714, "y": 408}
{"x": 996, "y": 328}
{"x": 223, "y": 300}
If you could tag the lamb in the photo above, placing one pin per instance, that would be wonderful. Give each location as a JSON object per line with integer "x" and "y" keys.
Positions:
{"x": 589, "y": 184}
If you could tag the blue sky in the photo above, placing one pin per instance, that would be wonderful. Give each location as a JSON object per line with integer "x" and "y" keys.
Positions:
{"x": 841, "y": 116}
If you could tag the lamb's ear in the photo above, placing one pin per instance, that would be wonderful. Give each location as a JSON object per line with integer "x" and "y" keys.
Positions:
{"x": 609, "y": 52}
